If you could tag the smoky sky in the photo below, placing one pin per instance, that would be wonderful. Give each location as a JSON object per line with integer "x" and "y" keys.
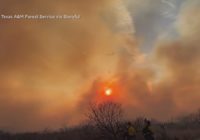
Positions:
{"x": 51, "y": 70}
{"x": 154, "y": 19}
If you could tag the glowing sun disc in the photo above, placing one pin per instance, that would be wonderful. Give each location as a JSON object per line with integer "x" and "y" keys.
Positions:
{"x": 108, "y": 92}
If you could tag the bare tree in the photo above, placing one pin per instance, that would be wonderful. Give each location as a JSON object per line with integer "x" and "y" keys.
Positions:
{"x": 107, "y": 117}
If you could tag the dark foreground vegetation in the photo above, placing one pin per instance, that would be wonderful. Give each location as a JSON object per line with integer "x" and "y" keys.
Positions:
{"x": 105, "y": 122}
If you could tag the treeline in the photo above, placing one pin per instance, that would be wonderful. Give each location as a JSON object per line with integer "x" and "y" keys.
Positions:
{"x": 105, "y": 122}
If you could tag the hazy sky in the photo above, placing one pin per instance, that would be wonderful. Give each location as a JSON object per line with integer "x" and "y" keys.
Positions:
{"x": 146, "y": 51}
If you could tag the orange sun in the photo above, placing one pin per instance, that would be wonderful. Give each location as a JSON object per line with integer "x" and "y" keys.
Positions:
{"x": 108, "y": 91}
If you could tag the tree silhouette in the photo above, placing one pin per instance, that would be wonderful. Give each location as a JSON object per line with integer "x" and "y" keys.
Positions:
{"x": 107, "y": 117}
